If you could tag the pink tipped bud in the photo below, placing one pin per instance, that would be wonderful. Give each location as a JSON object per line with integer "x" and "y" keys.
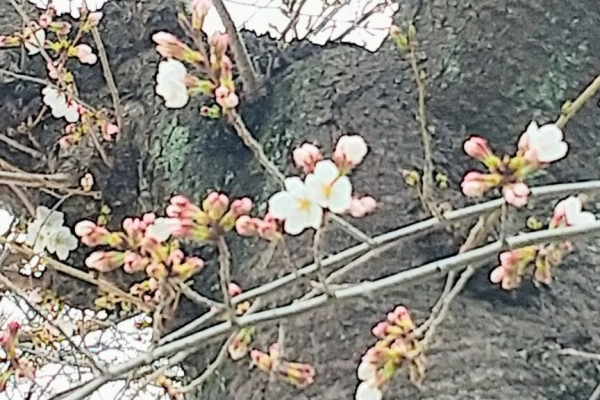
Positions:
{"x": 380, "y": 330}
{"x": 215, "y": 205}
{"x": 85, "y": 54}
{"x": 246, "y": 225}
{"x": 475, "y": 184}
{"x": 307, "y": 156}
{"x": 234, "y": 289}
{"x": 105, "y": 261}
{"x": 497, "y": 275}
{"x": 157, "y": 270}
{"x": 109, "y": 131}
{"x": 85, "y": 228}
{"x": 477, "y": 147}
{"x": 94, "y": 18}
{"x": 241, "y": 207}
{"x": 218, "y": 42}
{"x": 226, "y": 98}
{"x": 13, "y": 327}
{"x": 359, "y": 207}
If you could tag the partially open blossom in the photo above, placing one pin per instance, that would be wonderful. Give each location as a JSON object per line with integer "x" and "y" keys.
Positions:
{"x": 350, "y": 151}
{"x": 234, "y": 289}
{"x": 86, "y": 182}
{"x": 569, "y": 212}
{"x": 296, "y": 207}
{"x": 60, "y": 106}
{"x": 159, "y": 230}
{"x": 543, "y": 144}
{"x": 170, "y": 83}
{"x": 477, "y": 147}
{"x": 307, "y": 156}
{"x": 328, "y": 188}
{"x": 226, "y": 97}
{"x": 85, "y": 54}
{"x": 516, "y": 194}
{"x": 475, "y": 184}
{"x": 361, "y": 206}
{"x": 168, "y": 45}
{"x": 94, "y": 235}
{"x": 199, "y": 10}
{"x": 512, "y": 266}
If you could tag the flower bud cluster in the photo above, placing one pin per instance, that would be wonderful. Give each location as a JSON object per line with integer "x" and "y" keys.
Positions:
{"x": 537, "y": 147}
{"x": 297, "y": 374}
{"x": 397, "y": 347}
{"x": 542, "y": 259}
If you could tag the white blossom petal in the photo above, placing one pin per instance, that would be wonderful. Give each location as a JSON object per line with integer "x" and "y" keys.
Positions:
{"x": 6, "y": 221}
{"x": 314, "y": 216}
{"x": 368, "y": 391}
{"x": 341, "y": 195}
{"x": 326, "y": 171}
{"x": 281, "y": 205}
{"x": 295, "y": 224}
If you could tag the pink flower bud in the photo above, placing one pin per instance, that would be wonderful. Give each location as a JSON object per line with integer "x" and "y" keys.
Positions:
{"x": 516, "y": 194}
{"x": 226, "y": 98}
{"x": 85, "y": 228}
{"x": 200, "y": 8}
{"x": 475, "y": 184}
{"x": 380, "y": 329}
{"x": 234, "y": 289}
{"x": 215, "y": 205}
{"x": 104, "y": 261}
{"x": 359, "y": 207}
{"x": 168, "y": 45}
{"x": 85, "y": 54}
{"x": 246, "y": 225}
{"x": 157, "y": 270}
{"x": 307, "y": 156}
{"x": 477, "y": 147}
{"x": 66, "y": 141}
{"x": 45, "y": 20}
{"x": 13, "y": 327}
{"x": 218, "y": 42}
{"x": 109, "y": 131}
{"x": 241, "y": 207}
{"x": 94, "y": 18}
{"x": 134, "y": 262}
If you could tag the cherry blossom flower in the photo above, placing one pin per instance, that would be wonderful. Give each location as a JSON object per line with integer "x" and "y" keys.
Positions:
{"x": 475, "y": 184}
{"x": 516, "y": 194}
{"x": 328, "y": 188}
{"x": 570, "y": 211}
{"x": 543, "y": 144}
{"x": 368, "y": 391}
{"x": 366, "y": 371}
{"x": 6, "y": 221}
{"x": 85, "y": 54}
{"x": 296, "y": 207}
{"x": 61, "y": 243}
{"x": 57, "y": 101}
{"x": 45, "y": 224}
{"x": 170, "y": 83}
{"x": 32, "y": 40}
{"x": 72, "y": 7}
{"x": 350, "y": 151}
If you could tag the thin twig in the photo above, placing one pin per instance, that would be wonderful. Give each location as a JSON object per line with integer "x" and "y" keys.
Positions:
{"x": 318, "y": 257}
{"x": 197, "y": 297}
{"x": 24, "y": 199}
{"x": 450, "y": 217}
{"x": 20, "y": 293}
{"x": 225, "y": 277}
{"x": 26, "y": 78}
{"x": 110, "y": 80}
{"x": 475, "y": 258}
{"x": 427, "y": 186}
{"x": 21, "y": 147}
{"x": 596, "y": 393}
{"x": 579, "y": 102}
{"x": 581, "y": 354}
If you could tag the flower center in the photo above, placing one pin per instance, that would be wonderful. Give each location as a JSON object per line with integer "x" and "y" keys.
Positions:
{"x": 304, "y": 204}
{"x": 327, "y": 190}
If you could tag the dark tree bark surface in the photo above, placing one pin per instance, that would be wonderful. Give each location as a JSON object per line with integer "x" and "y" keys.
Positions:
{"x": 492, "y": 66}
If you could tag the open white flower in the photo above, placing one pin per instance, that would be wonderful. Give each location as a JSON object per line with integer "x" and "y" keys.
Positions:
{"x": 61, "y": 242}
{"x": 34, "y": 41}
{"x": 544, "y": 144}
{"x": 328, "y": 188}
{"x": 57, "y": 101}
{"x": 368, "y": 391}
{"x": 366, "y": 371}
{"x": 6, "y": 221}
{"x": 574, "y": 216}
{"x": 160, "y": 230}
{"x": 170, "y": 83}
{"x": 45, "y": 224}
{"x": 296, "y": 207}
{"x": 73, "y": 7}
